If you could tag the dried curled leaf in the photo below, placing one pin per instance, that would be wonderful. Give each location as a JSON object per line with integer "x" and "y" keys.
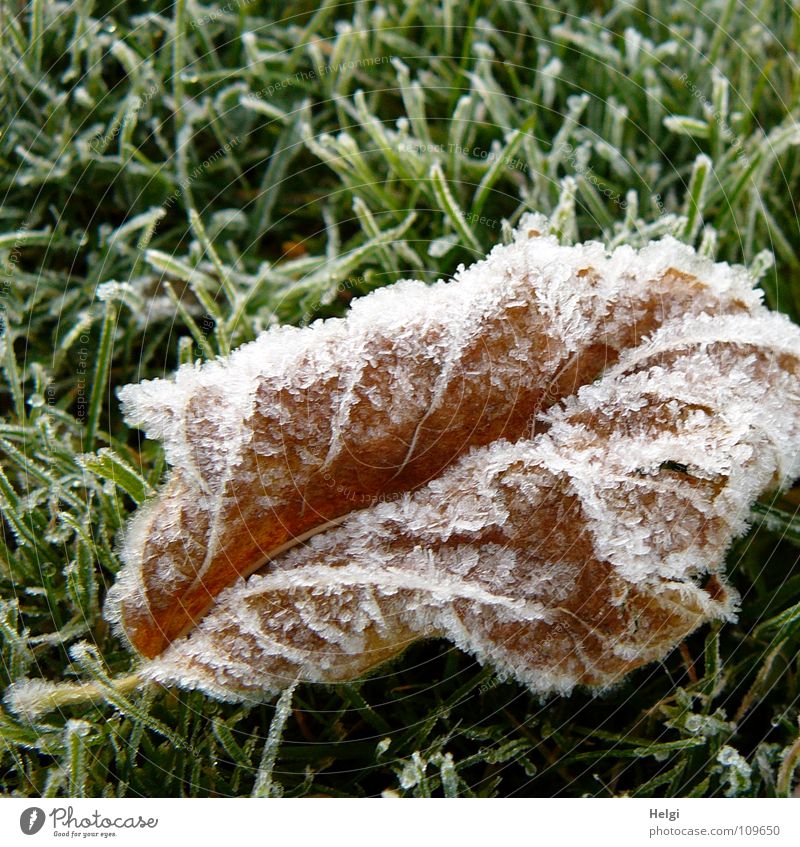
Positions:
{"x": 441, "y": 463}
{"x": 303, "y": 426}
{"x": 569, "y": 558}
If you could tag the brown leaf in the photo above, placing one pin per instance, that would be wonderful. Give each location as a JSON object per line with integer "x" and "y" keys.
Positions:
{"x": 306, "y": 425}
{"x": 563, "y": 547}
{"x": 566, "y": 559}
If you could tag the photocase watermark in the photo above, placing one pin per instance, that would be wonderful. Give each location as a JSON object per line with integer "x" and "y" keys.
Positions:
{"x": 216, "y": 14}
{"x": 198, "y": 170}
{"x": 206, "y": 325}
{"x": 64, "y": 823}
{"x": 345, "y": 492}
{"x": 724, "y": 127}
{"x": 481, "y": 220}
{"x": 99, "y": 142}
{"x": 318, "y": 73}
{"x": 538, "y": 650}
{"x": 81, "y": 401}
{"x": 32, "y": 820}
{"x": 491, "y": 156}
{"x": 535, "y": 653}
{"x": 659, "y": 203}
{"x": 7, "y": 272}
{"x": 191, "y": 177}
{"x": 570, "y": 155}
{"x": 330, "y": 294}
{"x": 489, "y": 685}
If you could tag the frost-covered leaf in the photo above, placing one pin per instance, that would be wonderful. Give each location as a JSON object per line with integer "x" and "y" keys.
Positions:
{"x": 441, "y": 464}
{"x": 570, "y": 558}
{"x": 304, "y": 426}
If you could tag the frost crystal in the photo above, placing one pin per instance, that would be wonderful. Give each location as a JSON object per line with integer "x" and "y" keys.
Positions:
{"x": 442, "y": 463}
{"x": 736, "y": 771}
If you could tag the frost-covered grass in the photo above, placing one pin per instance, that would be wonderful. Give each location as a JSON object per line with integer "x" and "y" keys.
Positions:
{"x": 177, "y": 177}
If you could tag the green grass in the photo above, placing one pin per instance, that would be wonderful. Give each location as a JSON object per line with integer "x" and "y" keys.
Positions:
{"x": 176, "y": 179}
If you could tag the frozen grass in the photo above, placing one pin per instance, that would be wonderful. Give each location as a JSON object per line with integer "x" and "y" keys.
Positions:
{"x": 177, "y": 177}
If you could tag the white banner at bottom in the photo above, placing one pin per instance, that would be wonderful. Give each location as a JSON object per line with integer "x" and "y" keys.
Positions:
{"x": 369, "y": 823}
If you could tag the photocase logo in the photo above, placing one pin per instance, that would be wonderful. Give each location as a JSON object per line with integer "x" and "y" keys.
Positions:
{"x": 31, "y": 820}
